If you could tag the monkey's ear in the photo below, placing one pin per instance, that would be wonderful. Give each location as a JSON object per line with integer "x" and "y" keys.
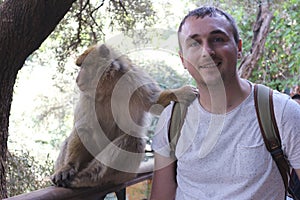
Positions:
{"x": 81, "y": 58}
{"x": 104, "y": 51}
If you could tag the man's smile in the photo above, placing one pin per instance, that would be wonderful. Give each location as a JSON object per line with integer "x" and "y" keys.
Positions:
{"x": 209, "y": 65}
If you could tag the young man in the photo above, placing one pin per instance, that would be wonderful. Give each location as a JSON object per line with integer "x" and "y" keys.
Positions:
{"x": 221, "y": 153}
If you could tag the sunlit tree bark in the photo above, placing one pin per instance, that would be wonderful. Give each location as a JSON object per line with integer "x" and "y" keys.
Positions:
{"x": 24, "y": 25}
{"x": 260, "y": 32}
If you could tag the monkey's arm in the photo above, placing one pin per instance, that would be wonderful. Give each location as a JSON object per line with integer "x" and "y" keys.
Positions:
{"x": 185, "y": 95}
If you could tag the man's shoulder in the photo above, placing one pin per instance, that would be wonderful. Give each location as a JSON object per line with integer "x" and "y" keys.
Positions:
{"x": 285, "y": 108}
{"x": 280, "y": 96}
{"x": 280, "y": 100}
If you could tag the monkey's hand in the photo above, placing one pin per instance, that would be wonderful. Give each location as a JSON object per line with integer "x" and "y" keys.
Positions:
{"x": 186, "y": 95}
{"x": 64, "y": 176}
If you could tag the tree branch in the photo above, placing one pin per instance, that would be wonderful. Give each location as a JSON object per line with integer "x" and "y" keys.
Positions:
{"x": 260, "y": 32}
{"x": 123, "y": 7}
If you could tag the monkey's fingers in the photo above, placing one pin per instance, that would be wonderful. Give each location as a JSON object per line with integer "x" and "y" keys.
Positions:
{"x": 64, "y": 176}
{"x": 186, "y": 94}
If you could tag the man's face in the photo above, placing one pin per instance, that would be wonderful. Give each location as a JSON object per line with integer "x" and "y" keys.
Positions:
{"x": 209, "y": 51}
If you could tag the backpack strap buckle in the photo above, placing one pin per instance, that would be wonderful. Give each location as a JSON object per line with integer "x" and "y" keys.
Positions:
{"x": 277, "y": 153}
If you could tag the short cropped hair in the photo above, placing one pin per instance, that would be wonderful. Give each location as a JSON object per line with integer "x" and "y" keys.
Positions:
{"x": 210, "y": 11}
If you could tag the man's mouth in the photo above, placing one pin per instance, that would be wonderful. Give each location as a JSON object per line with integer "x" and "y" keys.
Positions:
{"x": 209, "y": 65}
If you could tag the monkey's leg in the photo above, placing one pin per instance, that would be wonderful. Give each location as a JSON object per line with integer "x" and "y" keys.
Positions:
{"x": 76, "y": 157}
{"x": 117, "y": 163}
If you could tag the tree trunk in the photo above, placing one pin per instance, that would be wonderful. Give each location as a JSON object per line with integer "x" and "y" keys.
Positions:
{"x": 260, "y": 33}
{"x": 24, "y": 25}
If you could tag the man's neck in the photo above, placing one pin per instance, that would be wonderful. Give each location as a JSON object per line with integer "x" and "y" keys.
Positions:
{"x": 220, "y": 99}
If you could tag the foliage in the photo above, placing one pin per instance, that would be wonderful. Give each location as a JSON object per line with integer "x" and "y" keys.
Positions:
{"x": 85, "y": 23}
{"x": 90, "y": 22}
{"x": 279, "y": 68}
{"x": 25, "y": 173}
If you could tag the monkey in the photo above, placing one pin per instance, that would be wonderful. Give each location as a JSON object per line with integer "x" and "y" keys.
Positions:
{"x": 107, "y": 143}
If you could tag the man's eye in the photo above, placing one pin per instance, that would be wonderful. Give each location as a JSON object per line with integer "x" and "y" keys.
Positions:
{"x": 218, "y": 39}
{"x": 194, "y": 44}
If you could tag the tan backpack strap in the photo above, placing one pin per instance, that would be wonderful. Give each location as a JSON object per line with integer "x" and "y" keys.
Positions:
{"x": 263, "y": 98}
{"x": 265, "y": 114}
{"x": 176, "y": 122}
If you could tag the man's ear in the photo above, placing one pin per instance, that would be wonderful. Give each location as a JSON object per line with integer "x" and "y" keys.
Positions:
{"x": 181, "y": 58}
{"x": 240, "y": 48}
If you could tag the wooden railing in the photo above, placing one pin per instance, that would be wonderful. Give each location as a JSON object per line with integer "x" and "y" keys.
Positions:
{"x": 59, "y": 193}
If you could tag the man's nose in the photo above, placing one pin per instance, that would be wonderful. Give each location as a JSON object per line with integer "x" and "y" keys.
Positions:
{"x": 207, "y": 50}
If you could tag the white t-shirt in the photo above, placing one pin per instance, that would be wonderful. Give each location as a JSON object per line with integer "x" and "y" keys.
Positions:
{"x": 224, "y": 156}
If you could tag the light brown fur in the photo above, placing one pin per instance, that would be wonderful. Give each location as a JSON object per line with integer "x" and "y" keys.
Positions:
{"x": 107, "y": 142}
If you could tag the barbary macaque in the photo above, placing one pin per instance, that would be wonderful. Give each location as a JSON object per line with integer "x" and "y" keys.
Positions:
{"x": 107, "y": 143}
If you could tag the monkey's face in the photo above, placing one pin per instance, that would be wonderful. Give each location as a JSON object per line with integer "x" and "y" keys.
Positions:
{"x": 93, "y": 63}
